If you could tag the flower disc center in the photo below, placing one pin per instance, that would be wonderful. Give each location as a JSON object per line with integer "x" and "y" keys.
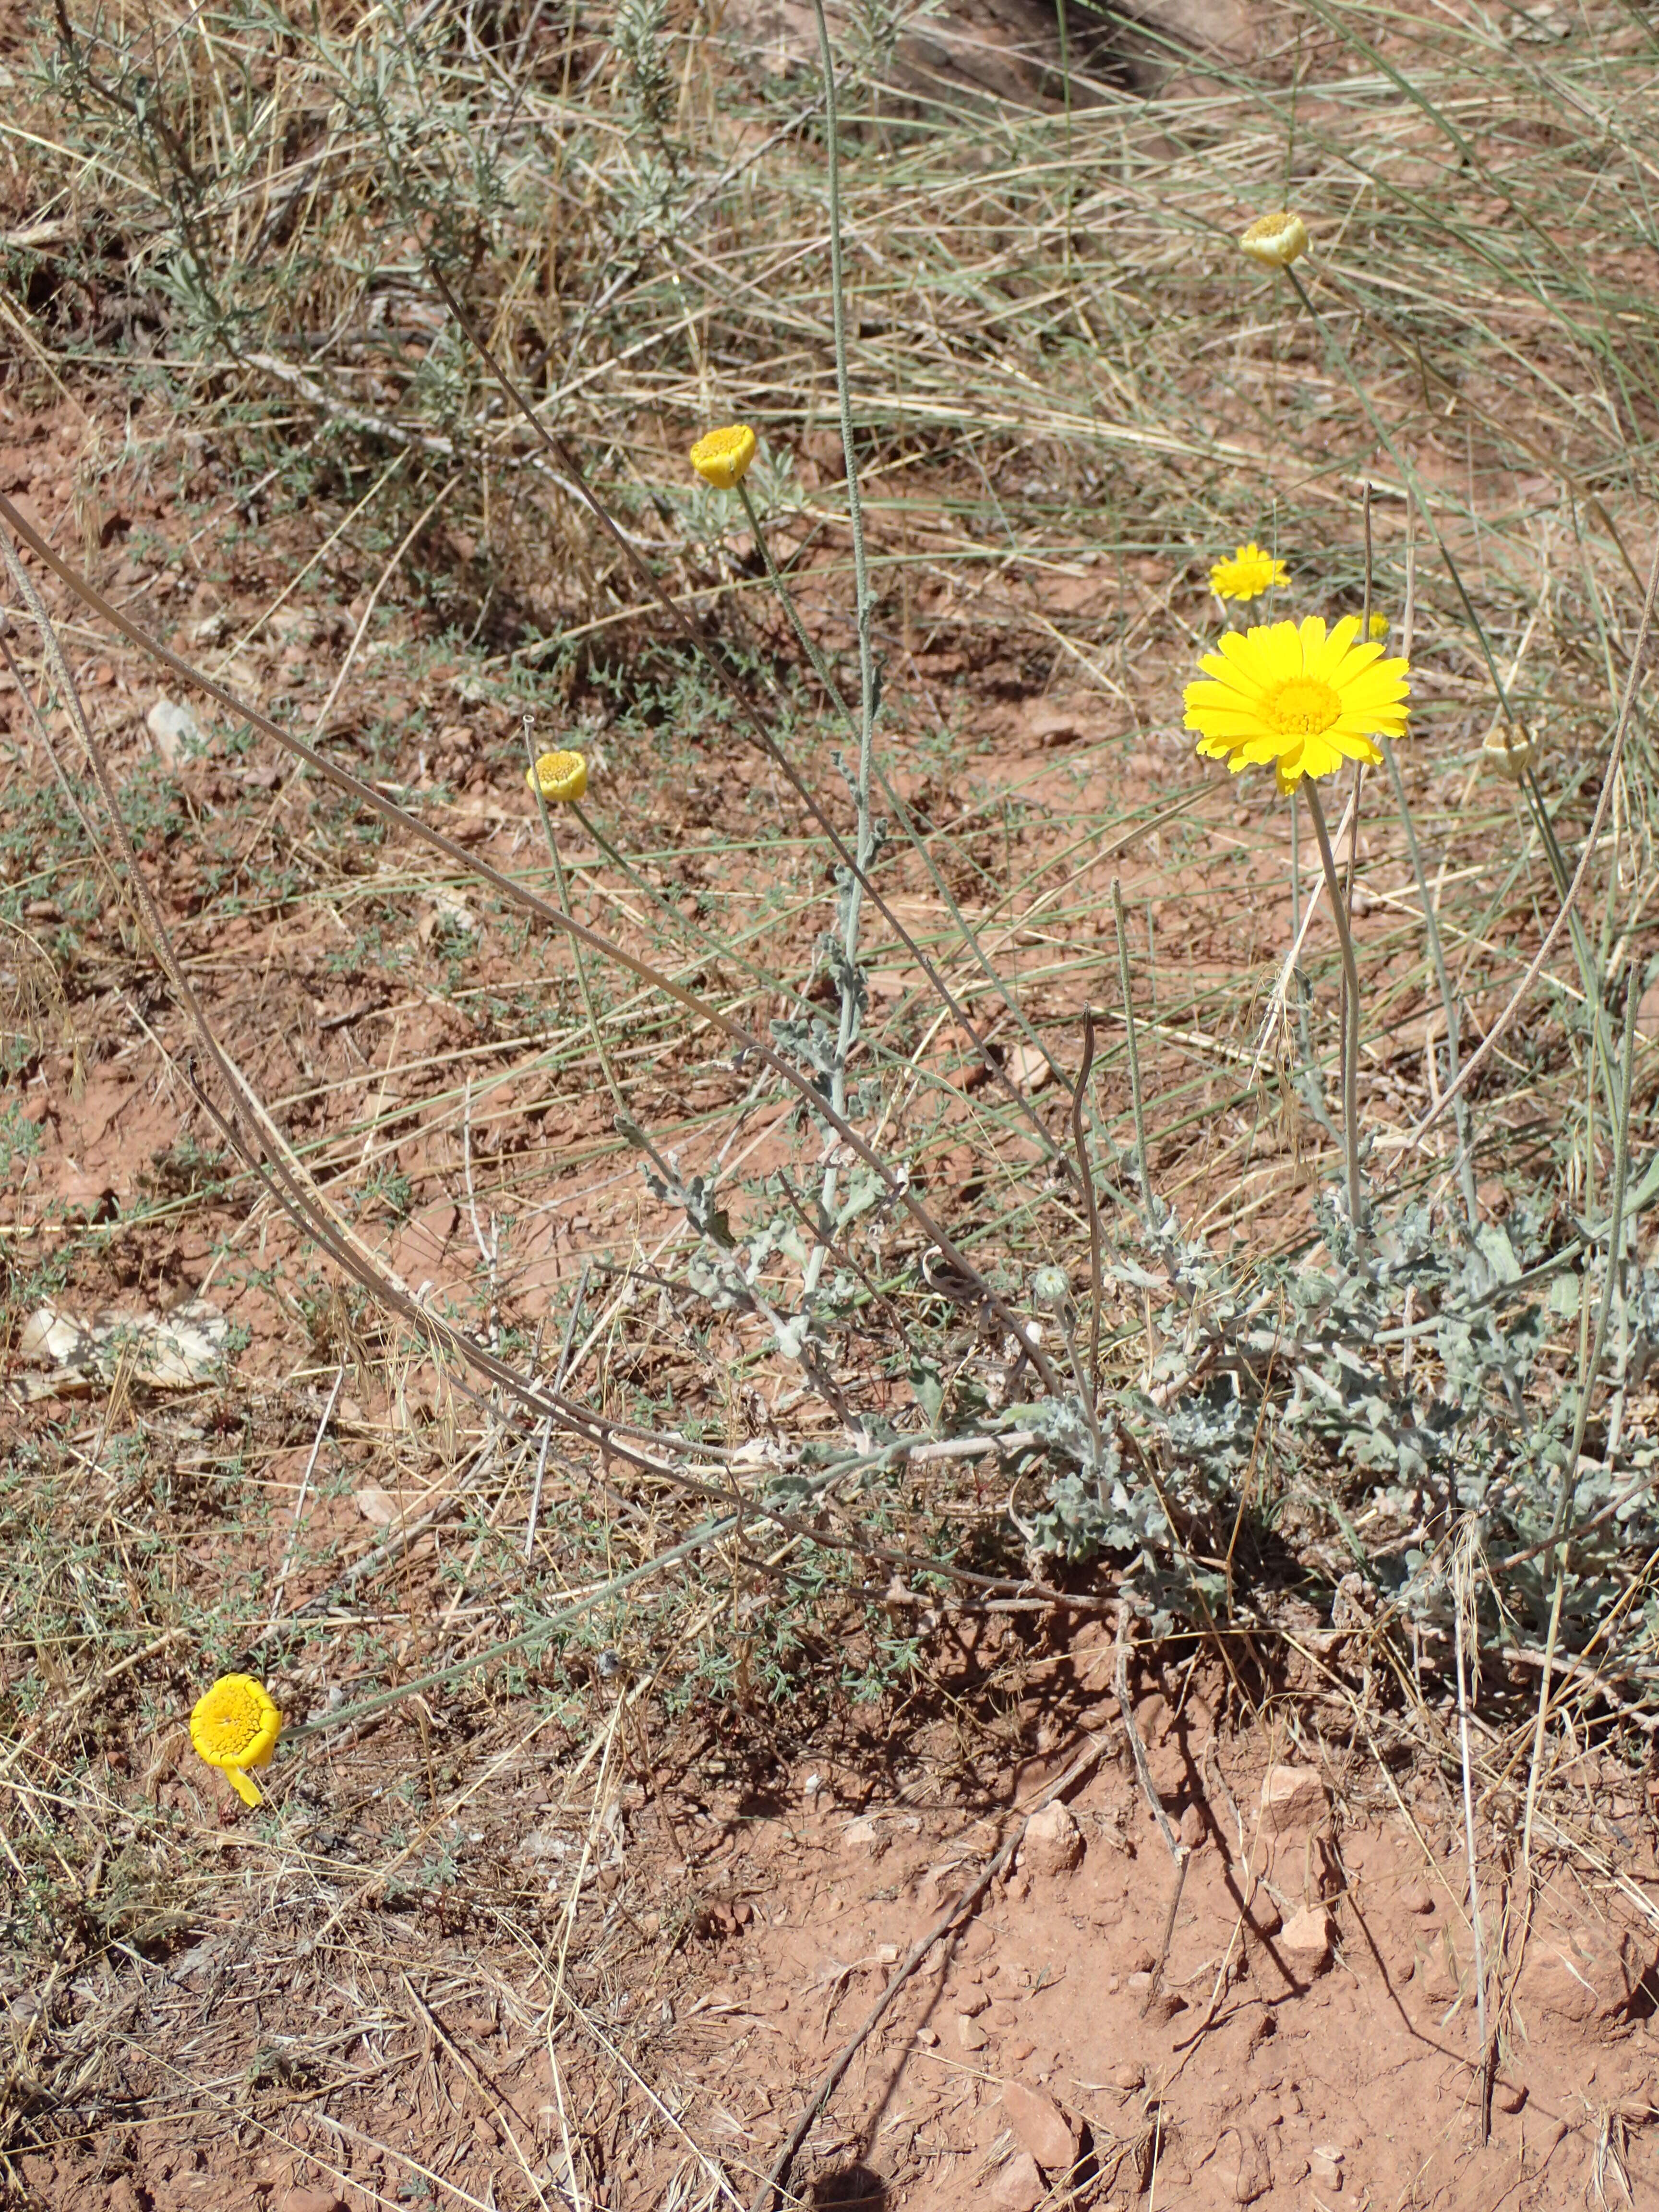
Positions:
{"x": 232, "y": 1723}
{"x": 1303, "y": 708}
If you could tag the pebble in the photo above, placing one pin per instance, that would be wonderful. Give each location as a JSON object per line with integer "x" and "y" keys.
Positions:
{"x": 970, "y": 2034}
{"x": 1040, "y": 2126}
{"x": 1324, "y": 2166}
{"x": 1292, "y": 1797}
{"x": 1307, "y": 1939}
{"x": 1019, "y": 2187}
{"x": 1054, "y": 1841}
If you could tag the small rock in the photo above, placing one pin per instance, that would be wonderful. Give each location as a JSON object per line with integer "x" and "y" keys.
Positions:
{"x": 1139, "y": 1984}
{"x": 1019, "y": 2187}
{"x": 1417, "y": 1898}
{"x": 859, "y": 1835}
{"x": 1018, "y": 2053}
{"x": 1306, "y": 1940}
{"x": 1510, "y": 2096}
{"x": 1040, "y": 2126}
{"x": 978, "y": 1941}
{"x": 970, "y": 2002}
{"x": 1244, "y": 2168}
{"x": 927, "y": 2038}
{"x": 1291, "y": 1797}
{"x": 1030, "y": 1068}
{"x": 1585, "y": 1974}
{"x": 173, "y": 728}
{"x": 1325, "y": 2166}
{"x": 1129, "y": 2076}
{"x": 970, "y": 2034}
{"x": 1054, "y": 1841}
{"x": 308, "y": 2200}
{"x": 1003, "y": 2015}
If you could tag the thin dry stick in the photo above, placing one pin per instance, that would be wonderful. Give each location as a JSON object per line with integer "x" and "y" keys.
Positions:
{"x": 960, "y": 1906}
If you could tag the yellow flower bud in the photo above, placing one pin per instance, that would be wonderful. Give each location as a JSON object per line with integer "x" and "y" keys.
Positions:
{"x": 1511, "y": 749}
{"x": 558, "y": 775}
{"x": 1380, "y": 629}
{"x": 234, "y": 1726}
{"x": 722, "y": 458}
{"x": 1275, "y": 240}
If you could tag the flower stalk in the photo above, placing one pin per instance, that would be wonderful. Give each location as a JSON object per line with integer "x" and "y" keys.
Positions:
{"x": 1350, "y": 1009}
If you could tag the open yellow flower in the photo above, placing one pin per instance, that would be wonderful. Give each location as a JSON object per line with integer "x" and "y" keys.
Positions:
{"x": 234, "y": 1726}
{"x": 722, "y": 458}
{"x": 1274, "y": 241}
{"x": 1248, "y": 574}
{"x": 1297, "y": 695}
{"x": 558, "y": 775}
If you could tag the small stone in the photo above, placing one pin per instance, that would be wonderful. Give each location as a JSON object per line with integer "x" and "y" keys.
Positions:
{"x": 1325, "y": 2166}
{"x": 1054, "y": 1841}
{"x": 173, "y": 728}
{"x": 1139, "y": 1984}
{"x": 1018, "y": 2053}
{"x": 1584, "y": 1974}
{"x": 1019, "y": 2187}
{"x": 977, "y": 1942}
{"x": 859, "y": 1835}
{"x": 970, "y": 2034}
{"x": 1510, "y": 2096}
{"x": 1040, "y": 2126}
{"x": 1129, "y": 2076}
{"x": 308, "y": 2200}
{"x": 1291, "y": 1797}
{"x": 1306, "y": 1940}
{"x": 1244, "y": 2167}
{"x": 970, "y": 2000}
{"x": 927, "y": 2038}
{"x": 1003, "y": 2015}
{"x": 1417, "y": 1898}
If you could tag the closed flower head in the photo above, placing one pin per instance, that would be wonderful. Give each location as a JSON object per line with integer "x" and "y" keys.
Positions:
{"x": 1380, "y": 628}
{"x": 1274, "y": 241}
{"x": 1248, "y": 574}
{"x": 1295, "y": 694}
{"x": 558, "y": 775}
{"x": 1511, "y": 750}
{"x": 234, "y": 1726}
{"x": 722, "y": 458}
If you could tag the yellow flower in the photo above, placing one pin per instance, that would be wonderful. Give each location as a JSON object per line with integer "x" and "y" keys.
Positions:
{"x": 1380, "y": 628}
{"x": 1275, "y": 240}
{"x": 234, "y": 1726}
{"x": 1248, "y": 574}
{"x": 558, "y": 775}
{"x": 722, "y": 458}
{"x": 1291, "y": 694}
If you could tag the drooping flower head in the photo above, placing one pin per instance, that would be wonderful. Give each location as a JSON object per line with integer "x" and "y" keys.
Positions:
{"x": 558, "y": 775}
{"x": 234, "y": 1726}
{"x": 1248, "y": 574}
{"x": 1511, "y": 749}
{"x": 1274, "y": 241}
{"x": 1297, "y": 695}
{"x": 722, "y": 458}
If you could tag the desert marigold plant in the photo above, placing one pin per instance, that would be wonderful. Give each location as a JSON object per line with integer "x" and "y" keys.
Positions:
{"x": 233, "y": 1726}
{"x": 1295, "y": 694}
{"x": 722, "y": 458}
{"x": 561, "y": 775}
{"x": 1274, "y": 241}
{"x": 1248, "y": 574}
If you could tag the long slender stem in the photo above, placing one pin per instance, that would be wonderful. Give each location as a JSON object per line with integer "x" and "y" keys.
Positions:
{"x": 1135, "y": 1055}
{"x": 576, "y": 951}
{"x": 1351, "y": 1024}
{"x": 864, "y": 841}
{"x": 1462, "y": 1589}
